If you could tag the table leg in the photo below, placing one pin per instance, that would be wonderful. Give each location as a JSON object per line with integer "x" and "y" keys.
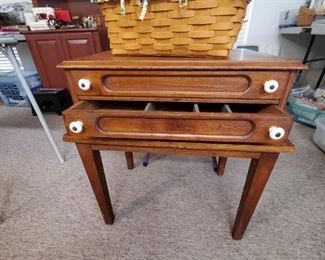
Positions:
{"x": 129, "y": 160}
{"x": 92, "y": 162}
{"x": 221, "y": 165}
{"x": 257, "y": 177}
{"x": 320, "y": 79}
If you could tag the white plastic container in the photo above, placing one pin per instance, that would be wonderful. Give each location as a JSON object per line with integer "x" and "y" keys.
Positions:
{"x": 289, "y": 18}
{"x": 319, "y": 136}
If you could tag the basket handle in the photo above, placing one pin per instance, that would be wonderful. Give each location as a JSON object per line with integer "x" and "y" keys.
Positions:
{"x": 145, "y": 3}
{"x": 122, "y": 6}
{"x": 144, "y": 9}
{"x": 182, "y": 3}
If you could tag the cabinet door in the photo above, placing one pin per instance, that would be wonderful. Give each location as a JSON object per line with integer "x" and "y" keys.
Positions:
{"x": 77, "y": 45}
{"x": 47, "y": 52}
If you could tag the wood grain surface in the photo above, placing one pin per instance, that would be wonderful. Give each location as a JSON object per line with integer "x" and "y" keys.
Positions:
{"x": 237, "y": 60}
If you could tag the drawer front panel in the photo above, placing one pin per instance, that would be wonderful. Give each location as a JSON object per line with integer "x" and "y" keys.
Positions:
{"x": 162, "y": 124}
{"x": 180, "y": 84}
{"x": 174, "y": 128}
{"x": 212, "y": 84}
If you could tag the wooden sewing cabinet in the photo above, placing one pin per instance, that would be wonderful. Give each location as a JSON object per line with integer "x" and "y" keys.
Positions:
{"x": 232, "y": 107}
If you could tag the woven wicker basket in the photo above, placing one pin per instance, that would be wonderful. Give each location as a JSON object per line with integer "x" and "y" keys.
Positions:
{"x": 202, "y": 28}
{"x": 306, "y": 16}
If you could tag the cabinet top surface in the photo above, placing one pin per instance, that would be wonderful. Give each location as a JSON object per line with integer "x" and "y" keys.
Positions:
{"x": 237, "y": 60}
{"x": 70, "y": 30}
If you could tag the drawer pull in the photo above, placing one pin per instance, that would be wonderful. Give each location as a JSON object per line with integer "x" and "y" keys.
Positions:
{"x": 76, "y": 127}
{"x": 276, "y": 133}
{"x": 84, "y": 84}
{"x": 271, "y": 86}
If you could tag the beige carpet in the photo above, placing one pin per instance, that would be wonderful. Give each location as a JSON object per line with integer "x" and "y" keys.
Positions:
{"x": 176, "y": 208}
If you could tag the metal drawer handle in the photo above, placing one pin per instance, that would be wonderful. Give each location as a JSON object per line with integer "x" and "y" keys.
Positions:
{"x": 271, "y": 86}
{"x": 276, "y": 133}
{"x": 84, "y": 84}
{"x": 76, "y": 127}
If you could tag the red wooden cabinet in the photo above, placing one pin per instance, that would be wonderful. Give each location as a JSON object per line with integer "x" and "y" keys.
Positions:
{"x": 49, "y": 48}
{"x": 47, "y": 53}
{"x": 78, "y": 45}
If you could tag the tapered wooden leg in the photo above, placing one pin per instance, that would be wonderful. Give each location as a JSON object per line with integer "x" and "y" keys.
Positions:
{"x": 129, "y": 160}
{"x": 257, "y": 177}
{"x": 94, "y": 168}
{"x": 221, "y": 165}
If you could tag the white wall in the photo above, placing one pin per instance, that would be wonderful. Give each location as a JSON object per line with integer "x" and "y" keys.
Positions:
{"x": 264, "y": 32}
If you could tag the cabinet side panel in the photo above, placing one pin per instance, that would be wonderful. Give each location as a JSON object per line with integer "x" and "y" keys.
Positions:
{"x": 47, "y": 54}
{"x": 71, "y": 87}
{"x": 284, "y": 98}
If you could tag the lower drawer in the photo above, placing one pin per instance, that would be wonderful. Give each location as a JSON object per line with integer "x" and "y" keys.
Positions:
{"x": 179, "y": 121}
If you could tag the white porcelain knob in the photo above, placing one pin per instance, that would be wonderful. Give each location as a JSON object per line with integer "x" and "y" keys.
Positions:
{"x": 84, "y": 84}
{"x": 76, "y": 127}
{"x": 276, "y": 133}
{"x": 271, "y": 86}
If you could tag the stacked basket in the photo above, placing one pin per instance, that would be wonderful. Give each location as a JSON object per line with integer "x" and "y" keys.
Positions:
{"x": 200, "y": 28}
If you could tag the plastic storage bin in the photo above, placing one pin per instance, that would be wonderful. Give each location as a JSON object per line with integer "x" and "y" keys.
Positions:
{"x": 319, "y": 136}
{"x": 11, "y": 91}
{"x": 304, "y": 114}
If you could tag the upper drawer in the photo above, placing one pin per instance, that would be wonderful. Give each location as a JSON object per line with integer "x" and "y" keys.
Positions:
{"x": 236, "y": 85}
{"x": 178, "y": 121}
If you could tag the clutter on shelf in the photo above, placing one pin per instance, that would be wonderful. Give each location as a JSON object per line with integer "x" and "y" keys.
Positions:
{"x": 319, "y": 5}
{"x": 11, "y": 29}
{"x": 306, "y": 16}
{"x": 5, "y": 19}
{"x": 307, "y": 105}
{"x": 15, "y": 11}
{"x": 38, "y": 18}
{"x": 320, "y": 18}
{"x": 289, "y": 18}
{"x": 43, "y": 18}
{"x": 311, "y": 12}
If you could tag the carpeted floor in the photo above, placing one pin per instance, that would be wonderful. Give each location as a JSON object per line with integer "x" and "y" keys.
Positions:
{"x": 176, "y": 208}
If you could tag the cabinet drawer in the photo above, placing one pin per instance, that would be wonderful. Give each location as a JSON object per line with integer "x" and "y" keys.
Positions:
{"x": 187, "y": 85}
{"x": 178, "y": 121}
